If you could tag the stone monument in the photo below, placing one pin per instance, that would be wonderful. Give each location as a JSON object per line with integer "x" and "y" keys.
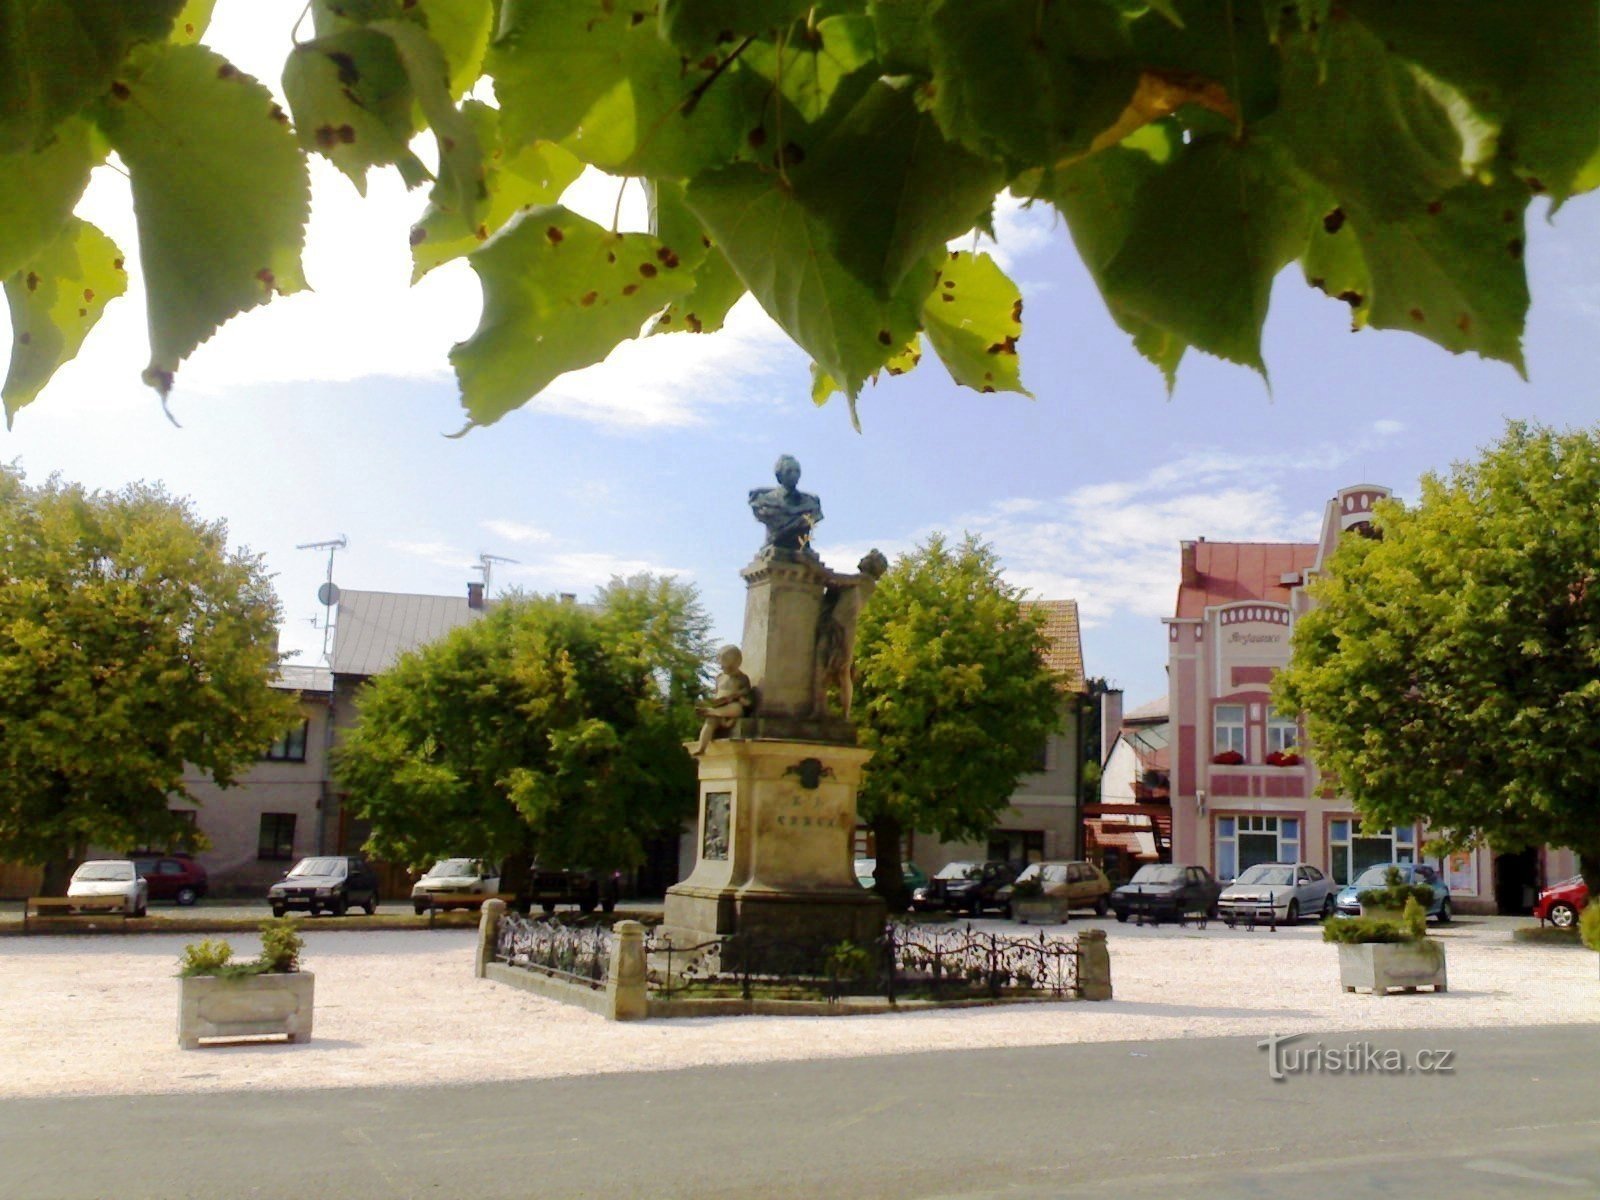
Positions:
{"x": 778, "y": 761}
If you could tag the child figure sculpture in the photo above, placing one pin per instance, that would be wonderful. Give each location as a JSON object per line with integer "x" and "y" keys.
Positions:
{"x": 733, "y": 699}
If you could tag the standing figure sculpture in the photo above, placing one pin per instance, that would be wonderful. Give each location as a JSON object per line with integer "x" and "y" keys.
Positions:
{"x": 842, "y": 603}
{"x": 733, "y": 698}
{"x": 787, "y": 512}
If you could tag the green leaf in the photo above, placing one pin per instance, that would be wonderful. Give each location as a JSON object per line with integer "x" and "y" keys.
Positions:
{"x": 1335, "y": 262}
{"x": 55, "y": 301}
{"x": 601, "y": 76}
{"x": 220, "y": 191}
{"x": 191, "y": 23}
{"x": 56, "y": 56}
{"x": 973, "y": 318}
{"x": 695, "y": 26}
{"x": 39, "y": 190}
{"x": 811, "y": 65}
{"x": 901, "y": 28}
{"x": 1453, "y": 273}
{"x": 891, "y": 189}
{"x": 462, "y": 29}
{"x": 559, "y": 293}
{"x": 352, "y": 102}
{"x": 1031, "y": 83}
{"x": 1206, "y": 235}
{"x": 782, "y": 252}
{"x": 459, "y": 190}
{"x": 1533, "y": 70}
{"x": 1097, "y": 196}
{"x": 514, "y": 180}
{"x": 716, "y": 287}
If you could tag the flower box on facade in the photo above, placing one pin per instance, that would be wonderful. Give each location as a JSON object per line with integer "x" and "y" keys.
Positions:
{"x": 1283, "y": 758}
{"x": 217, "y": 1006}
{"x": 1228, "y": 758}
{"x": 1381, "y": 967}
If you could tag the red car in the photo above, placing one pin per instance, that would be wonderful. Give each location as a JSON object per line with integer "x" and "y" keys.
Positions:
{"x": 1560, "y": 903}
{"x": 172, "y": 876}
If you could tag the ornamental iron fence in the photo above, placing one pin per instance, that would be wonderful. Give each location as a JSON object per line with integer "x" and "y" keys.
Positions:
{"x": 578, "y": 953}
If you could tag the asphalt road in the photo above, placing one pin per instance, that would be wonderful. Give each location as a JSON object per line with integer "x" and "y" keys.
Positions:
{"x": 1515, "y": 1118}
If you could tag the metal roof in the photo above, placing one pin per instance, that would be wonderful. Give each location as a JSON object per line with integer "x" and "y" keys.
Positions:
{"x": 375, "y": 628}
{"x": 1065, "y": 656}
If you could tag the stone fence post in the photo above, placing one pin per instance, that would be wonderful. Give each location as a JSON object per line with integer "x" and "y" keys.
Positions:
{"x": 1094, "y": 965}
{"x": 626, "y": 997}
{"x": 488, "y": 930}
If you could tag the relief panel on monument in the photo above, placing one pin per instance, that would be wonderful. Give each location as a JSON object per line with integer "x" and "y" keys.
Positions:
{"x": 714, "y": 840}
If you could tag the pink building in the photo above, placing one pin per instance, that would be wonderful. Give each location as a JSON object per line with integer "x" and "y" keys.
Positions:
{"x": 1243, "y": 790}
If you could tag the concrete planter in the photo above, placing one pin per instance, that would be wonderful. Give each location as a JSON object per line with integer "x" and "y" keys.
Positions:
{"x": 210, "y": 1006}
{"x": 1382, "y": 966}
{"x": 1039, "y": 910}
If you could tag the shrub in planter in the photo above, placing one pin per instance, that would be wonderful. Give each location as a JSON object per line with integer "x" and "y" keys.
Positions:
{"x": 1394, "y": 896}
{"x": 218, "y": 997}
{"x": 1027, "y": 889}
{"x": 1381, "y": 954}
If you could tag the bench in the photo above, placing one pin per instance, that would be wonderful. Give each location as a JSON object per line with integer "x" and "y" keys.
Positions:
{"x": 50, "y": 909}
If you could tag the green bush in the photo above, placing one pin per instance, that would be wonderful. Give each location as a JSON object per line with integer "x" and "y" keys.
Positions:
{"x": 1589, "y": 925}
{"x": 1353, "y": 931}
{"x": 205, "y": 958}
{"x": 281, "y": 944}
{"x": 1414, "y": 920}
{"x": 848, "y": 961}
{"x": 1394, "y": 893}
{"x": 1028, "y": 889}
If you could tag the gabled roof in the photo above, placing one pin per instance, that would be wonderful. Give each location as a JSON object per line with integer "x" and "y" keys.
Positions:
{"x": 303, "y": 677}
{"x": 1232, "y": 571}
{"x": 375, "y": 628}
{"x": 1150, "y": 710}
{"x": 1065, "y": 655}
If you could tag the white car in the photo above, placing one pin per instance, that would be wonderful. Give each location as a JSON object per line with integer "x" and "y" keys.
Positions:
{"x": 118, "y": 878}
{"x": 455, "y": 882}
{"x": 1277, "y": 892}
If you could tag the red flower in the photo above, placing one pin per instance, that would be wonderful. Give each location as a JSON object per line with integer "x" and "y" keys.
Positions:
{"x": 1228, "y": 758}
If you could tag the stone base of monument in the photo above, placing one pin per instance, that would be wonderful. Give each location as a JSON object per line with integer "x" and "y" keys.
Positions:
{"x": 777, "y": 819}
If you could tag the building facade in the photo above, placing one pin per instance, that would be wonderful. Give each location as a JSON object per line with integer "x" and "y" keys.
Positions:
{"x": 1243, "y": 789}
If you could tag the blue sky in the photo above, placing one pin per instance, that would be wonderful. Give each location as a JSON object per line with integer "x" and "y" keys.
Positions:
{"x": 327, "y": 414}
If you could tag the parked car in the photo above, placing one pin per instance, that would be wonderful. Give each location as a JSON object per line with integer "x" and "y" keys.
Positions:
{"x": 331, "y": 883}
{"x": 467, "y": 882}
{"x": 914, "y": 875}
{"x": 969, "y": 887}
{"x": 174, "y": 877}
{"x": 1080, "y": 884}
{"x": 100, "y": 878}
{"x": 1347, "y": 905}
{"x": 1277, "y": 892}
{"x": 1560, "y": 903}
{"x": 1166, "y": 891}
{"x": 589, "y": 890}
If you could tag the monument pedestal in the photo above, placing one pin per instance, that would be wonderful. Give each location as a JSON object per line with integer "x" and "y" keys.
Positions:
{"x": 774, "y": 857}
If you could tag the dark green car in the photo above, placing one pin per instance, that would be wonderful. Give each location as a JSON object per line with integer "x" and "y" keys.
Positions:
{"x": 914, "y": 875}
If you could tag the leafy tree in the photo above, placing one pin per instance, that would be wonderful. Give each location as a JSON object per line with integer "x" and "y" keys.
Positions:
{"x": 132, "y": 641}
{"x": 954, "y": 698}
{"x": 541, "y": 730}
{"x": 819, "y": 156}
{"x": 1450, "y": 671}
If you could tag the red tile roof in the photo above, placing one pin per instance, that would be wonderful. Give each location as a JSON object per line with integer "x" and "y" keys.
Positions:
{"x": 1230, "y": 571}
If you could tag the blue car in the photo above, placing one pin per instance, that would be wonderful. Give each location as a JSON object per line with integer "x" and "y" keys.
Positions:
{"x": 1376, "y": 877}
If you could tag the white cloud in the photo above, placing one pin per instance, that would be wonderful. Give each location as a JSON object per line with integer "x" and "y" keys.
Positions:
{"x": 1387, "y": 428}
{"x": 441, "y": 554}
{"x": 581, "y": 570}
{"x": 517, "y": 531}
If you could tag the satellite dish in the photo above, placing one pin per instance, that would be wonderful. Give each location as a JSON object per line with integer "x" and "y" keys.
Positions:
{"x": 328, "y": 594}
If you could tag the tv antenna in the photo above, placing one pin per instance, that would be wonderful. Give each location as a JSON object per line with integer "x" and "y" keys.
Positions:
{"x": 485, "y": 567}
{"x": 328, "y": 593}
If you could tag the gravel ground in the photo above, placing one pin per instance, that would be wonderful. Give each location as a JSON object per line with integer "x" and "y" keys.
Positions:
{"x": 98, "y": 1014}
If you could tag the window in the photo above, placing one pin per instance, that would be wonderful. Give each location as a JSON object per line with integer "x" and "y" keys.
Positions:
{"x": 1352, "y": 848}
{"x": 1228, "y": 723}
{"x": 1044, "y": 758}
{"x": 1283, "y": 733}
{"x": 1246, "y": 840}
{"x": 277, "y": 836}
{"x": 291, "y": 747}
{"x": 1022, "y": 846}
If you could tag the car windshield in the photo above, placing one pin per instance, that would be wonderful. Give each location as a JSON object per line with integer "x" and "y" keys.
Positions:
{"x": 454, "y": 868}
{"x": 960, "y": 870}
{"x": 1262, "y": 873}
{"x": 319, "y": 866}
{"x": 1376, "y": 877}
{"x": 103, "y": 872}
{"x": 1035, "y": 871}
{"x": 1152, "y": 873}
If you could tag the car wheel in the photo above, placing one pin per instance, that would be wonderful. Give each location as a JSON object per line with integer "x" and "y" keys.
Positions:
{"x": 608, "y": 906}
{"x": 339, "y": 907}
{"x": 1563, "y": 915}
{"x": 1100, "y": 907}
{"x": 547, "y": 909}
{"x": 314, "y": 910}
{"x": 371, "y": 906}
{"x": 279, "y": 911}
{"x": 1327, "y": 908}
{"x": 1292, "y": 917}
{"x": 1212, "y": 912}
{"x": 1444, "y": 912}
{"x": 1122, "y": 916}
{"x": 977, "y": 907}
{"x": 141, "y": 911}
{"x": 420, "y": 907}
{"x": 186, "y": 896}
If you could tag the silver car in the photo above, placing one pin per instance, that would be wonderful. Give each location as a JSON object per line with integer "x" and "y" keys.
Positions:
{"x": 1277, "y": 892}
{"x": 111, "y": 878}
{"x": 455, "y": 883}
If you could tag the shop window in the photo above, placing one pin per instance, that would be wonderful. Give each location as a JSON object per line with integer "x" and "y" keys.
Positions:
{"x": 1252, "y": 838}
{"x": 1352, "y": 848}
